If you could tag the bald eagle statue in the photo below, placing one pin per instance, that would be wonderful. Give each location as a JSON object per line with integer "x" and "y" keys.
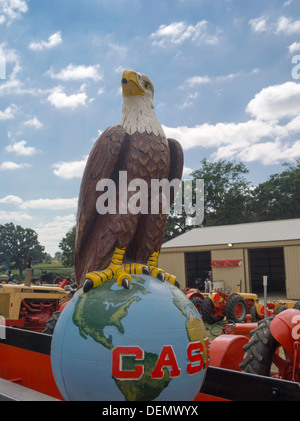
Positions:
{"x": 118, "y": 244}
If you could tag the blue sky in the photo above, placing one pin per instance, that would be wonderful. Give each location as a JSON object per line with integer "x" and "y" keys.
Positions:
{"x": 226, "y": 86}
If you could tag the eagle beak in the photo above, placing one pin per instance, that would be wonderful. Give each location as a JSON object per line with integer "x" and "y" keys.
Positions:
{"x": 130, "y": 84}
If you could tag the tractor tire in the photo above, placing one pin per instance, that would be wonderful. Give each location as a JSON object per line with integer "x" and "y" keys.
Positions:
{"x": 51, "y": 323}
{"x": 280, "y": 309}
{"x": 208, "y": 310}
{"x": 198, "y": 302}
{"x": 236, "y": 309}
{"x": 254, "y": 314}
{"x": 297, "y": 305}
{"x": 260, "y": 350}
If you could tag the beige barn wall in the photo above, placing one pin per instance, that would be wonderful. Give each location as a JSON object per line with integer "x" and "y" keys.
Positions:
{"x": 173, "y": 263}
{"x": 292, "y": 272}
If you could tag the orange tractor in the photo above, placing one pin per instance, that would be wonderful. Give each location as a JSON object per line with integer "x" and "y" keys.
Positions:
{"x": 217, "y": 305}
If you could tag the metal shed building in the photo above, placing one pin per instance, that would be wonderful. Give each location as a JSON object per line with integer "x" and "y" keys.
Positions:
{"x": 238, "y": 254}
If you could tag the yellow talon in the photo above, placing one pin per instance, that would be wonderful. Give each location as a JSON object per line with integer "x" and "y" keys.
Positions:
{"x": 117, "y": 269}
{"x": 156, "y": 272}
{"x": 123, "y": 271}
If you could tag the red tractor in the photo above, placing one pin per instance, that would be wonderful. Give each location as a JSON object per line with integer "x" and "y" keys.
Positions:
{"x": 270, "y": 347}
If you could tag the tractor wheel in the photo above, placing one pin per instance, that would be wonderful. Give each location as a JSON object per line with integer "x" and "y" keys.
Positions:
{"x": 50, "y": 325}
{"x": 254, "y": 314}
{"x": 209, "y": 312}
{"x": 236, "y": 309}
{"x": 297, "y": 305}
{"x": 264, "y": 355}
{"x": 280, "y": 309}
{"x": 197, "y": 301}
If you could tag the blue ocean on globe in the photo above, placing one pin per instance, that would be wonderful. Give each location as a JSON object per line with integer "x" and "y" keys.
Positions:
{"x": 151, "y": 316}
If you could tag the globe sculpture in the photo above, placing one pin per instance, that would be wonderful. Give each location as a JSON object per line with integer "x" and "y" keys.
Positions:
{"x": 142, "y": 344}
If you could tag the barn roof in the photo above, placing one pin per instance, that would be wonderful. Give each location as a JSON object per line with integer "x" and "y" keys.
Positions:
{"x": 281, "y": 230}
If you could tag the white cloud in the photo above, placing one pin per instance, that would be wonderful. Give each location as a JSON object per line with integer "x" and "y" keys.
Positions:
{"x": 11, "y": 166}
{"x": 210, "y": 135}
{"x": 178, "y": 32}
{"x": 281, "y": 151}
{"x": 59, "y": 99}
{"x": 12, "y": 9}
{"x": 69, "y": 170}
{"x": 267, "y": 137}
{"x": 186, "y": 171}
{"x": 11, "y": 200}
{"x": 72, "y": 72}
{"x": 14, "y": 217}
{"x": 276, "y": 102}
{"x": 287, "y": 26}
{"x": 8, "y": 113}
{"x": 190, "y": 99}
{"x": 53, "y": 41}
{"x": 33, "y": 122}
{"x": 53, "y": 232}
{"x": 197, "y": 80}
{"x": 283, "y": 26}
{"x": 20, "y": 148}
{"x": 258, "y": 24}
{"x": 12, "y": 84}
{"x": 294, "y": 47}
{"x": 50, "y": 204}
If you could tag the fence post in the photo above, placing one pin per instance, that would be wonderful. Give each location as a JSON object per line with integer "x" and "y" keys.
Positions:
{"x": 265, "y": 284}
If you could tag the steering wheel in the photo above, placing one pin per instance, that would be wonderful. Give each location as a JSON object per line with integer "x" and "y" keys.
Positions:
{"x": 222, "y": 327}
{"x": 229, "y": 328}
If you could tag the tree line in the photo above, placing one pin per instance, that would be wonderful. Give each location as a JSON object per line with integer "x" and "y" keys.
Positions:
{"x": 229, "y": 198}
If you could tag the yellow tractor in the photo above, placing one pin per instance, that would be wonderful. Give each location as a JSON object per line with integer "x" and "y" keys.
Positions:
{"x": 273, "y": 308}
{"x": 29, "y": 306}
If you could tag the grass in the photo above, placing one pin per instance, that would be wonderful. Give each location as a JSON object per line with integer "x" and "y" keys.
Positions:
{"x": 55, "y": 269}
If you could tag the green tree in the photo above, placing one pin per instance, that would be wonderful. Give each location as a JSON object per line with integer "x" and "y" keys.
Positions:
{"x": 17, "y": 245}
{"x": 47, "y": 258}
{"x": 226, "y": 192}
{"x": 227, "y": 197}
{"x": 67, "y": 245}
{"x": 58, "y": 256}
{"x": 279, "y": 196}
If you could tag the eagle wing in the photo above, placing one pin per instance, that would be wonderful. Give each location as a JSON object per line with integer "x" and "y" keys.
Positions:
{"x": 176, "y": 163}
{"x": 101, "y": 164}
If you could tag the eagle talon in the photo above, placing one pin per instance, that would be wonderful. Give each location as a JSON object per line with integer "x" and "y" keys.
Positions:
{"x": 88, "y": 284}
{"x": 161, "y": 276}
{"x": 146, "y": 270}
{"x": 125, "y": 283}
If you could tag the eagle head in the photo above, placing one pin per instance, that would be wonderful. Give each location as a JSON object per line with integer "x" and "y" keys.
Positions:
{"x": 138, "y": 110}
{"x": 134, "y": 84}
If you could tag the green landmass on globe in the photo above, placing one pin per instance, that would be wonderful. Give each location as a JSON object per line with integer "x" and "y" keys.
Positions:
{"x": 106, "y": 306}
{"x": 137, "y": 390}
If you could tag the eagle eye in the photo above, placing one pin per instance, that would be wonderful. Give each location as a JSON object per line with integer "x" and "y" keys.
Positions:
{"x": 147, "y": 85}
